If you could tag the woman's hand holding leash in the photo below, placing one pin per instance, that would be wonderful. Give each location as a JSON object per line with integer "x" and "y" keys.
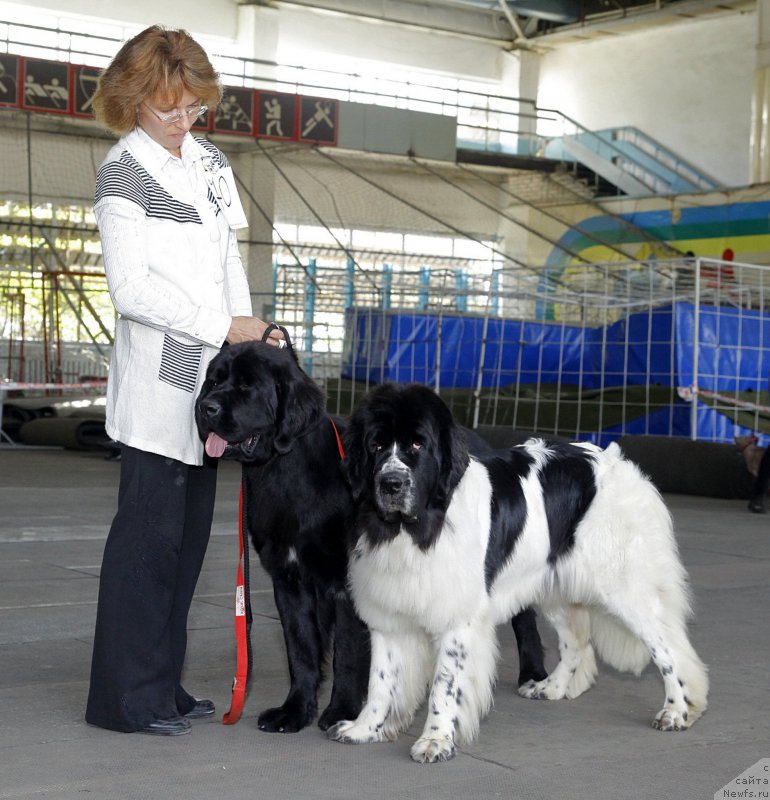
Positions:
{"x": 246, "y": 329}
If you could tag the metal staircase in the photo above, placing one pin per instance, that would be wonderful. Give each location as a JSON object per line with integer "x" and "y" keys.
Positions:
{"x": 635, "y": 163}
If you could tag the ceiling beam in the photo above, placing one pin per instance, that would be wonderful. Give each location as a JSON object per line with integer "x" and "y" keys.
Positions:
{"x": 444, "y": 17}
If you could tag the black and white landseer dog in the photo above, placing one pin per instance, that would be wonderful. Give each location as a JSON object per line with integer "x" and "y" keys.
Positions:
{"x": 448, "y": 546}
{"x": 257, "y": 406}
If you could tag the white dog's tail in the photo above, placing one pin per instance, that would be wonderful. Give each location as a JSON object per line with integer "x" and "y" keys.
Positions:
{"x": 616, "y": 645}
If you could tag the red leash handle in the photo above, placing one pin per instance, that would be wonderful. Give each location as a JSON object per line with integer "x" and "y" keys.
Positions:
{"x": 243, "y": 664}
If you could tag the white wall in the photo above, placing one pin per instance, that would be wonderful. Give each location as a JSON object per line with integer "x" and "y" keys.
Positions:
{"x": 304, "y": 29}
{"x": 215, "y": 18}
{"x": 688, "y": 85}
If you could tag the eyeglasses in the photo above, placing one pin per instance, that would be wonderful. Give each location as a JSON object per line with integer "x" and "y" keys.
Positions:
{"x": 170, "y": 119}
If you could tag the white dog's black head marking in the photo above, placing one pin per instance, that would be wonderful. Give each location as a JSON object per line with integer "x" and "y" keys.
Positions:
{"x": 404, "y": 457}
{"x": 255, "y": 402}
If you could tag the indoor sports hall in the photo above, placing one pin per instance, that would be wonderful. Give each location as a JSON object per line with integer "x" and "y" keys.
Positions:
{"x": 556, "y": 215}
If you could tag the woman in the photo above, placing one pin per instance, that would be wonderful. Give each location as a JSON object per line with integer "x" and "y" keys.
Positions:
{"x": 176, "y": 279}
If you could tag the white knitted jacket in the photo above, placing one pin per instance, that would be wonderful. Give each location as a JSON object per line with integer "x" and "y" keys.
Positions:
{"x": 176, "y": 278}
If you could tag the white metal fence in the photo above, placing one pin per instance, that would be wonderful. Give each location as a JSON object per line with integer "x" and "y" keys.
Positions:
{"x": 588, "y": 351}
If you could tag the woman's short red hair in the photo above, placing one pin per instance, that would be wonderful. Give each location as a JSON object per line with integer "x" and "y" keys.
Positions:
{"x": 156, "y": 61}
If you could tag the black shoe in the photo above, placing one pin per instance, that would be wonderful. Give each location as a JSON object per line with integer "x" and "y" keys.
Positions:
{"x": 202, "y": 708}
{"x": 757, "y": 506}
{"x": 176, "y": 726}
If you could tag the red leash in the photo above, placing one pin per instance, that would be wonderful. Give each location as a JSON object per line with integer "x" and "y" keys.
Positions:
{"x": 242, "y": 623}
{"x": 339, "y": 441}
{"x": 243, "y": 610}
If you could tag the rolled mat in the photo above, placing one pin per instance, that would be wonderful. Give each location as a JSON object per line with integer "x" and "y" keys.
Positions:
{"x": 681, "y": 466}
{"x": 674, "y": 464}
{"x": 73, "y": 433}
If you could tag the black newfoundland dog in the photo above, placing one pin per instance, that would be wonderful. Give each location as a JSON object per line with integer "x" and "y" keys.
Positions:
{"x": 257, "y": 406}
{"x": 449, "y": 545}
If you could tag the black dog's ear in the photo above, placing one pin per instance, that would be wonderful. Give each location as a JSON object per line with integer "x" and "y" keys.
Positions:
{"x": 300, "y": 405}
{"x": 355, "y": 466}
{"x": 454, "y": 454}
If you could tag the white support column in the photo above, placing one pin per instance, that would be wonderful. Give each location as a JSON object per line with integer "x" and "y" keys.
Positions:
{"x": 258, "y": 37}
{"x": 520, "y": 75}
{"x": 760, "y": 99}
{"x": 257, "y": 174}
{"x": 529, "y": 78}
{"x": 258, "y": 31}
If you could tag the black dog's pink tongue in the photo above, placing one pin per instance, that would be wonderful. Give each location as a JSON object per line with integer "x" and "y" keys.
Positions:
{"x": 215, "y": 445}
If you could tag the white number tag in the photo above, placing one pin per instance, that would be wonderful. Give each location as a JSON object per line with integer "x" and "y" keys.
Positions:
{"x": 221, "y": 181}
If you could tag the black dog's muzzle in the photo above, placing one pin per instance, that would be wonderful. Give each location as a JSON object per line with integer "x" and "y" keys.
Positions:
{"x": 210, "y": 412}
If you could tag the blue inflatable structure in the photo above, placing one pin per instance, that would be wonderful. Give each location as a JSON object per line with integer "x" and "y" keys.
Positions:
{"x": 655, "y": 347}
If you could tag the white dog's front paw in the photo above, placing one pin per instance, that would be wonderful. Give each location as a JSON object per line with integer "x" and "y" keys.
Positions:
{"x": 428, "y": 751}
{"x": 352, "y": 732}
{"x": 542, "y": 690}
{"x": 667, "y": 719}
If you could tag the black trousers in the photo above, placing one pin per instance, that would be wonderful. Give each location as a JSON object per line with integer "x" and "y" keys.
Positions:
{"x": 762, "y": 481}
{"x": 152, "y": 560}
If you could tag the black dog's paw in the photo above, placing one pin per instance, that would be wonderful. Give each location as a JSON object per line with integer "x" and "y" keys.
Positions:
{"x": 532, "y": 673}
{"x": 285, "y": 719}
{"x": 336, "y": 713}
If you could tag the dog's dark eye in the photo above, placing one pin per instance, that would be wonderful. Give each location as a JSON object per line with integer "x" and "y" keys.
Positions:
{"x": 243, "y": 386}
{"x": 416, "y": 445}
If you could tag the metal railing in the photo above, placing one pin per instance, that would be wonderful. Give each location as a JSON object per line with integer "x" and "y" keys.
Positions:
{"x": 486, "y": 119}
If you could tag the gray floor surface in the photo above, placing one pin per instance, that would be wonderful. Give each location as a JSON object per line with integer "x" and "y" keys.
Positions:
{"x": 55, "y": 508}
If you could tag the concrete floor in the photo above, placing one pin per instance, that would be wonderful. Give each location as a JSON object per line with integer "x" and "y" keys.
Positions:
{"x": 55, "y": 508}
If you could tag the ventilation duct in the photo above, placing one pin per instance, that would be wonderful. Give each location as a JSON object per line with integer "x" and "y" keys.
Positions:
{"x": 552, "y": 10}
